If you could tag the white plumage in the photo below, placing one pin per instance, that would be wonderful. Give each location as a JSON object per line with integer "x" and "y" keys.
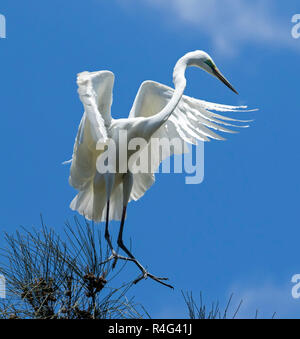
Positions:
{"x": 191, "y": 120}
{"x": 158, "y": 112}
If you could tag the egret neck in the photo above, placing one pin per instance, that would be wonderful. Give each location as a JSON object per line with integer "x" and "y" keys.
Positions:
{"x": 179, "y": 81}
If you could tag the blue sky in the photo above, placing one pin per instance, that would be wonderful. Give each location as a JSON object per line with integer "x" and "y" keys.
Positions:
{"x": 236, "y": 232}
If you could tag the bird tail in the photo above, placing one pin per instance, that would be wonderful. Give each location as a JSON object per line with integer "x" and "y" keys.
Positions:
{"x": 92, "y": 203}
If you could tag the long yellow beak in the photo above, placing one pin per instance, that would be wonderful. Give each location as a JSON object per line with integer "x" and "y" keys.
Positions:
{"x": 220, "y": 76}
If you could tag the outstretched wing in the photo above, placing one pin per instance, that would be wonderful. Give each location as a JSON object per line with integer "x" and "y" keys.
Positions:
{"x": 192, "y": 120}
{"x": 95, "y": 92}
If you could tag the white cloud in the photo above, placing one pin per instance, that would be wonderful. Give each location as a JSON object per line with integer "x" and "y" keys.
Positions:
{"x": 229, "y": 23}
{"x": 267, "y": 299}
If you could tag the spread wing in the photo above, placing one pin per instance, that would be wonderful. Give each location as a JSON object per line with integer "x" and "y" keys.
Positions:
{"x": 95, "y": 92}
{"x": 192, "y": 120}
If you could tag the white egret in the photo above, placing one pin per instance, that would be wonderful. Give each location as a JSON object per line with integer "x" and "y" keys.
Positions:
{"x": 158, "y": 111}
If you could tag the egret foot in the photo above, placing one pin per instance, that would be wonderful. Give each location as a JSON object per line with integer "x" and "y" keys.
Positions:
{"x": 145, "y": 273}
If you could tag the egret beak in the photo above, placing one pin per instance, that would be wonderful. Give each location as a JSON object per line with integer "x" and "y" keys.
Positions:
{"x": 220, "y": 76}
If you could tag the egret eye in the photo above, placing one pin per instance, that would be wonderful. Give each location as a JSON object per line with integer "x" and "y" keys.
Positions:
{"x": 210, "y": 63}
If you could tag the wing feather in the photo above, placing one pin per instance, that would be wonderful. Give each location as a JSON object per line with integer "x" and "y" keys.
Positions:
{"x": 95, "y": 92}
{"x": 192, "y": 120}
{"x": 192, "y": 117}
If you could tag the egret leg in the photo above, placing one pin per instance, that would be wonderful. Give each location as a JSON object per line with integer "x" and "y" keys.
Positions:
{"x": 120, "y": 237}
{"x": 145, "y": 273}
{"x": 127, "y": 187}
{"x": 107, "y": 235}
{"x": 109, "y": 183}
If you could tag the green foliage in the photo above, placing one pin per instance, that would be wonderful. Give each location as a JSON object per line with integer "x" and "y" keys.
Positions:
{"x": 201, "y": 312}
{"x": 50, "y": 278}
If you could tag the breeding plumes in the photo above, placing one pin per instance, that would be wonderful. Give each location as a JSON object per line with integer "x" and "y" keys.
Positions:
{"x": 158, "y": 112}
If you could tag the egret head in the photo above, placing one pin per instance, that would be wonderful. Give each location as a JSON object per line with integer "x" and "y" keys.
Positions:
{"x": 203, "y": 60}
